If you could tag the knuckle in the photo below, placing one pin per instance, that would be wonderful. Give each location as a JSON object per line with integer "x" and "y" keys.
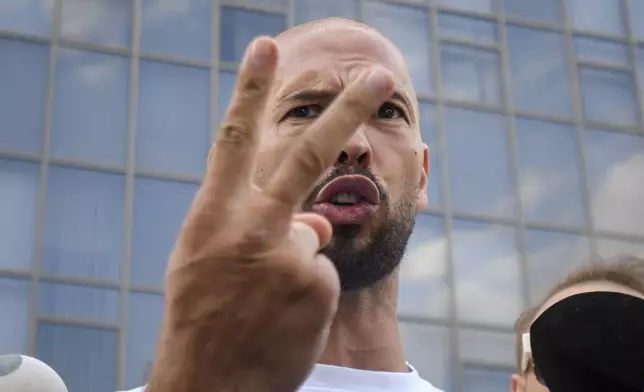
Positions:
{"x": 309, "y": 159}
{"x": 237, "y": 132}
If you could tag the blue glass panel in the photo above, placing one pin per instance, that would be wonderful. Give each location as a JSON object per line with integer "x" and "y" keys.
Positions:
{"x": 602, "y": 50}
{"x": 478, "y": 161}
{"x": 640, "y": 66}
{"x": 174, "y": 118}
{"x": 454, "y": 26}
{"x": 14, "y": 301}
{"x": 178, "y": 27}
{"x": 23, "y": 77}
{"x": 610, "y": 249}
{"x": 90, "y": 107}
{"x": 26, "y": 16}
{"x": 20, "y": 183}
{"x": 608, "y": 96}
{"x": 551, "y": 256}
{"x": 484, "y": 380}
{"x": 491, "y": 348}
{"x": 471, "y": 5}
{"x": 637, "y": 18}
{"x": 239, "y": 27}
{"x": 538, "y": 71}
{"x": 84, "y": 357}
{"x": 471, "y": 74}
{"x": 423, "y": 289}
{"x": 550, "y": 180}
{"x": 602, "y": 16}
{"x": 78, "y": 302}
{"x": 429, "y": 134}
{"x": 226, "y": 86}
{"x": 542, "y": 10}
{"x": 408, "y": 28}
{"x": 308, "y": 10}
{"x": 282, "y": 3}
{"x": 616, "y": 176}
{"x": 427, "y": 349}
{"x": 486, "y": 270}
{"x": 144, "y": 320}
{"x": 160, "y": 208}
{"x": 99, "y": 21}
{"x": 84, "y": 224}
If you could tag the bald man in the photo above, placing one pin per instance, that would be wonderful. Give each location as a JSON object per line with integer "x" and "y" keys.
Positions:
{"x": 285, "y": 274}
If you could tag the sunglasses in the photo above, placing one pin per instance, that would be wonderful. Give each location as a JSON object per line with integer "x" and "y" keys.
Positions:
{"x": 527, "y": 363}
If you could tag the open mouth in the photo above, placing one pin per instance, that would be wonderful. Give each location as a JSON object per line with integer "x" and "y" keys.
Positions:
{"x": 350, "y": 200}
{"x": 349, "y": 190}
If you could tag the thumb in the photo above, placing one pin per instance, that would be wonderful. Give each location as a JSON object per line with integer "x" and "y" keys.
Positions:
{"x": 319, "y": 224}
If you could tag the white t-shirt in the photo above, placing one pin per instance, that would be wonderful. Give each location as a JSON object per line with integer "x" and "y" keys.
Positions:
{"x": 326, "y": 378}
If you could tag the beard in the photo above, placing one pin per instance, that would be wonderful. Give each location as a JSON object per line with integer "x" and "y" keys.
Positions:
{"x": 362, "y": 265}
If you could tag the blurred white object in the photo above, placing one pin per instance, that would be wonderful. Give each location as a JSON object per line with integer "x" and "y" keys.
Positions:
{"x": 20, "y": 373}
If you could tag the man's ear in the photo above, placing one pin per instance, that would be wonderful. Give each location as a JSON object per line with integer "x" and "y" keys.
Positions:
{"x": 517, "y": 383}
{"x": 423, "y": 198}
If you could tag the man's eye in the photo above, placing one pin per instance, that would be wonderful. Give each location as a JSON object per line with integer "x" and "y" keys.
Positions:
{"x": 308, "y": 111}
{"x": 389, "y": 111}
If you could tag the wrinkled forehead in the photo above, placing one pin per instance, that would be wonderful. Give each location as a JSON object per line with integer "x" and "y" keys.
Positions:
{"x": 337, "y": 53}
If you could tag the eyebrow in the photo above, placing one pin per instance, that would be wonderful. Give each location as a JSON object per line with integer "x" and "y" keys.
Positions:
{"x": 327, "y": 95}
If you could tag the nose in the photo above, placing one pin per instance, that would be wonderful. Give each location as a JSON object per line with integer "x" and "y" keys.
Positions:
{"x": 356, "y": 152}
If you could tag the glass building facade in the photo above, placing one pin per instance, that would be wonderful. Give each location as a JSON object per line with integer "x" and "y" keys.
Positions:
{"x": 533, "y": 111}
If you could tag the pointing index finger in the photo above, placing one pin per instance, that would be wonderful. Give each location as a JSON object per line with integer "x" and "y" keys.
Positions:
{"x": 318, "y": 148}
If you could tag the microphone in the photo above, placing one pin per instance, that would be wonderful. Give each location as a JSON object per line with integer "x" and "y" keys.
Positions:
{"x": 20, "y": 373}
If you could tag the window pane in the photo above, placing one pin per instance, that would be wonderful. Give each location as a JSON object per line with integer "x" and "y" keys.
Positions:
{"x": 308, "y": 10}
{"x": 23, "y": 77}
{"x": 616, "y": 176}
{"x": 542, "y": 10}
{"x": 637, "y": 18}
{"x": 99, "y": 21}
{"x": 173, "y": 133}
{"x": 478, "y": 162}
{"x": 429, "y": 134}
{"x": 226, "y": 86}
{"x": 492, "y": 348}
{"x": 84, "y": 357}
{"x": 26, "y": 16}
{"x": 538, "y": 70}
{"x": 20, "y": 183}
{"x": 144, "y": 320}
{"x": 408, "y": 28}
{"x": 471, "y": 74}
{"x": 602, "y": 50}
{"x": 78, "y": 302}
{"x": 239, "y": 27}
{"x": 483, "y": 380}
{"x": 486, "y": 270}
{"x": 471, "y": 5}
{"x": 423, "y": 288}
{"x": 160, "y": 207}
{"x": 181, "y": 28}
{"x": 551, "y": 256}
{"x": 602, "y": 16}
{"x": 610, "y": 249}
{"x": 427, "y": 349}
{"x": 14, "y": 301}
{"x": 608, "y": 96}
{"x": 90, "y": 107}
{"x": 84, "y": 224}
{"x": 640, "y": 66}
{"x": 455, "y": 26}
{"x": 550, "y": 181}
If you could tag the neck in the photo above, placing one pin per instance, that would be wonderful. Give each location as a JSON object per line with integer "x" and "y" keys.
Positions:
{"x": 364, "y": 334}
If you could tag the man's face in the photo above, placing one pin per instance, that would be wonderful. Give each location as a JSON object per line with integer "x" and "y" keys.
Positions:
{"x": 371, "y": 194}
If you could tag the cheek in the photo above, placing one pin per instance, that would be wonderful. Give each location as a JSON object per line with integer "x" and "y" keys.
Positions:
{"x": 397, "y": 165}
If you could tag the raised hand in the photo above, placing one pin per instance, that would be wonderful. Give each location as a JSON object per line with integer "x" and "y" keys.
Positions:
{"x": 249, "y": 300}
